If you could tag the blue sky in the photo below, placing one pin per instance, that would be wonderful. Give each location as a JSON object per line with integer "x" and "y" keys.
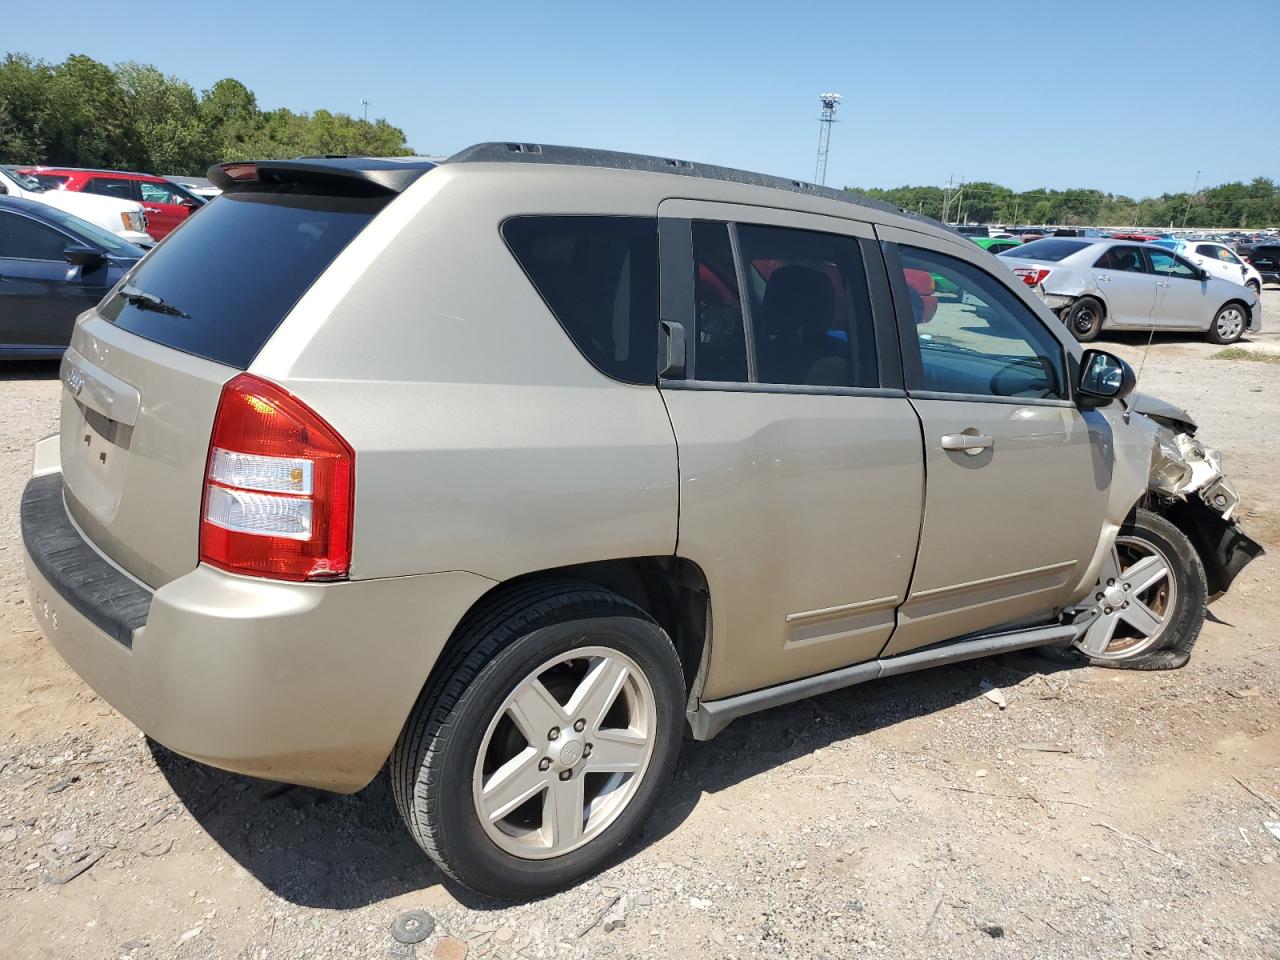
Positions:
{"x": 1128, "y": 96}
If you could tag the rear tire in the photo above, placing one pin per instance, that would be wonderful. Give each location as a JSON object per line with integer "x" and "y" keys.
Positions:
{"x": 1084, "y": 319}
{"x": 470, "y": 728}
{"x": 1228, "y": 324}
{"x": 1172, "y": 605}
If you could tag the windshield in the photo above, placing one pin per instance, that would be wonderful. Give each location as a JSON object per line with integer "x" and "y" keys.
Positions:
{"x": 93, "y": 235}
{"x": 232, "y": 274}
{"x": 1051, "y": 249}
{"x": 25, "y": 181}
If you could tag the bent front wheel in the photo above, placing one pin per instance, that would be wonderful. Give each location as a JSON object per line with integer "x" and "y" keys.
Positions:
{"x": 1149, "y": 603}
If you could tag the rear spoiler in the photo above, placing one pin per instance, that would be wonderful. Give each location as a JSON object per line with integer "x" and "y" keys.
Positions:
{"x": 349, "y": 176}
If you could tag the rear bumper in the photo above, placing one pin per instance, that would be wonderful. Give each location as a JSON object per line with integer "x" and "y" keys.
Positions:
{"x": 305, "y": 683}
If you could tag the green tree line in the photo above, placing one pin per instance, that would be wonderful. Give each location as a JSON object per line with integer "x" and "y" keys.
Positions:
{"x": 1229, "y": 205}
{"x": 82, "y": 113}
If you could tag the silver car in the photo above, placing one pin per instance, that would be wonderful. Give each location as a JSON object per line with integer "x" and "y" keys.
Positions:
{"x": 1096, "y": 285}
{"x": 510, "y": 469}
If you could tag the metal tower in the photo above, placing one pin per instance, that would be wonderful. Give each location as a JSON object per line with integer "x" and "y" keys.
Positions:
{"x": 829, "y": 103}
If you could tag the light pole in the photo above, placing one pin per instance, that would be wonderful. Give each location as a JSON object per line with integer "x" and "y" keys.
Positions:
{"x": 829, "y": 103}
{"x": 365, "y": 103}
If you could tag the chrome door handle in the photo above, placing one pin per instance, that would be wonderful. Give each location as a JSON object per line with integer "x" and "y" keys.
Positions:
{"x": 967, "y": 442}
{"x": 153, "y": 210}
{"x": 1103, "y": 277}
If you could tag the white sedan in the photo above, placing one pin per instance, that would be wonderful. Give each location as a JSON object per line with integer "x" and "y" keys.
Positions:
{"x": 1219, "y": 259}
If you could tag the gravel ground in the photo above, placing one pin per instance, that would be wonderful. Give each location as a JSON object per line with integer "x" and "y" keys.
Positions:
{"x": 1100, "y": 814}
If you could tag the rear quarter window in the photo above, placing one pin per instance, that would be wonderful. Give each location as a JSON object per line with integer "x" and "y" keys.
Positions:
{"x": 599, "y": 277}
{"x": 236, "y": 269}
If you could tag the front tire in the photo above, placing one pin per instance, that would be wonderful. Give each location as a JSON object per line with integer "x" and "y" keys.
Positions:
{"x": 1149, "y": 603}
{"x": 1084, "y": 319}
{"x": 1255, "y": 286}
{"x": 1228, "y": 325}
{"x": 543, "y": 742}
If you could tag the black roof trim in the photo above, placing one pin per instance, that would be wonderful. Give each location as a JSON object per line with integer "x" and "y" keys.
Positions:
{"x": 612, "y": 159}
{"x": 363, "y": 176}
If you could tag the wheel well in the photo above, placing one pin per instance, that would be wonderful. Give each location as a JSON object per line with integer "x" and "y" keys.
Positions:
{"x": 1096, "y": 298}
{"x": 670, "y": 589}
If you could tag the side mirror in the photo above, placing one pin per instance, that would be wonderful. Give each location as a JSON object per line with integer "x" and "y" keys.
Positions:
{"x": 83, "y": 256}
{"x": 1204, "y": 274}
{"x": 1103, "y": 377}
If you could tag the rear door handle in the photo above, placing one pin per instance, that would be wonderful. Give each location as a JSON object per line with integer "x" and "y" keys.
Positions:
{"x": 969, "y": 443}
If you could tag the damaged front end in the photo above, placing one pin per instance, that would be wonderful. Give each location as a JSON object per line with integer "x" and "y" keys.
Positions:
{"x": 1187, "y": 486}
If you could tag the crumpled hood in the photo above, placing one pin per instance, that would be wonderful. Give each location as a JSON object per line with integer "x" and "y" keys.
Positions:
{"x": 1161, "y": 411}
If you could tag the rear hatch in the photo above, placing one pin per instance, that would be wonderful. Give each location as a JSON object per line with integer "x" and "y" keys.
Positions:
{"x": 143, "y": 377}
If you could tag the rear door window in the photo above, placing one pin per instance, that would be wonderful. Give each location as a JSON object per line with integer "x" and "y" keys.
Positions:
{"x": 235, "y": 271}
{"x": 1126, "y": 259}
{"x": 811, "y": 320}
{"x": 111, "y": 187}
{"x": 599, "y": 277}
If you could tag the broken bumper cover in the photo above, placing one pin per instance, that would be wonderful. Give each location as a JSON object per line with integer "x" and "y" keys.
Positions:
{"x": 1188, "y": 477}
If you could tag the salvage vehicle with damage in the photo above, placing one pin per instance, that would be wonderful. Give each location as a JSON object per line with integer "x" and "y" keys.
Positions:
{"x": 1096, "y": 285}
{"x": 511, "y": 468}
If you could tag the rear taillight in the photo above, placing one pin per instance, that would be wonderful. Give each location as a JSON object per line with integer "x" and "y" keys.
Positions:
{"x": 1031, "y": 276}
{"x": 279, "y": 487}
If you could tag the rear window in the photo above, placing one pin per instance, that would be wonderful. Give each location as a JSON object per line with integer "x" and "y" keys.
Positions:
{"x": 599, "y": 276}
{"x": 1051, "y": 249}
{"x": 236, "y": 269}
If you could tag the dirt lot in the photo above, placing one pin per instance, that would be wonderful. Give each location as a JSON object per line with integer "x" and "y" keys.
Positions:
{"x": 1101, "y": 814}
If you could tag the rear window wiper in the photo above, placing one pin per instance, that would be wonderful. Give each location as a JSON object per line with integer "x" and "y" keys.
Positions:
{"x": 149, "y": 301}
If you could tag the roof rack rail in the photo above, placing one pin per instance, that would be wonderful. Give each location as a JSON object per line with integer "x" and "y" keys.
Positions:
{"x": 611, "y": 159}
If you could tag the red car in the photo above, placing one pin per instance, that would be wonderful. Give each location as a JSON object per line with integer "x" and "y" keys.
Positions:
{"x": 165, "y": 203}
{"x": 1135, "y": 237}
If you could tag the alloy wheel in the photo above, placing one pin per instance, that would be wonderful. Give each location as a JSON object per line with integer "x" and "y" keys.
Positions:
{"x": 565, "y": 753}
{"x": 1133, "y": 603}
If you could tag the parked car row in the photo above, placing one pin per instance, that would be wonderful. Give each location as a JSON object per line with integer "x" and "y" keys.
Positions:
{"x": 165, "y": 203}
{"x": 67, "y": 235}
{"x": 122, "y": 217}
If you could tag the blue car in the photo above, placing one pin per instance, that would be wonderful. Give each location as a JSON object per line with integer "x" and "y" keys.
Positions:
{"x": 53, "y": 267}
